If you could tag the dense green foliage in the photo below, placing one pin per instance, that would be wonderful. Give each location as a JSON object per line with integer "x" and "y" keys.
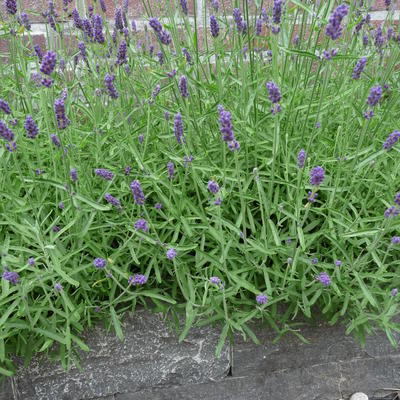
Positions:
{"x": 263, "y": 236}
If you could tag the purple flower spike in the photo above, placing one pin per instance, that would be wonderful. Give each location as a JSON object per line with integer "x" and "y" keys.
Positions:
{"x": 137, "y": 193}
{"x": 391, "y": 212}
{"x": 314, "y": 261}
{"x": 213, "y": 187}
{"x": 392, "y": 139}
{"x": 170, "y": 167}
{"x": 121, "y": 56}
{"x": 59, "y": 110}
{"x": 324, "y": 278}
{"x": 158, "y": 206}
{"x": 104, "y": 173}
{"x": 394, "y": 292}
{"x": 31, "y": 261}
{"x": 48, "y": 63}
{"x": 55, "y": 140}
{"x": 359, "y": 68}
{"x": 261, "y": 299}
{"x": 183, "y": 86}
{"x": 334, "y": 28}
{"x": 4, "y": 106}
{"x": 338, "y": 263}
{"x": 171, "y": 253}
{"x": 396, "y": 240}
{"x": 74, "y": 175}
{"x": 214, "y": 280}
{"x": 184, "y": 6}
{"x": 214, "y": 27}
{"x": 317, "y": 175}
{"x": 301, "y": 158}
{"x": 141, "y": 225}
{"x": 112, "y": 200}
{"x": 5, "y": 132}
{"x": 31, "y": 128}
{"x": 178, "y": 129}
{"x": 397, "y": 197}
{"x": 58, "y": 287}
{"x": 274, "y": 93}
{"x": 10, "y": 276}
{"x": 98, "y": 29}
{"x": 137, "y": 279}
{"x": 112, "y": 91}
{"x": 11, "y": 6}
{"x": 99, "y": 263}
{"x": 374, "y": 96}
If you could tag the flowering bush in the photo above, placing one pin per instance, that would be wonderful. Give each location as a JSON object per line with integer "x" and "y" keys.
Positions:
{"x": 221, "y": 174}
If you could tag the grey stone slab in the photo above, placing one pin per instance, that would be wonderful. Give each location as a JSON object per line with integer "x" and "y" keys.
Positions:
{"x": 150, "y": 355}
{"x": 6, "y": 390}
{"x": 329, "y": 381}
{"x": 327, "y": 344}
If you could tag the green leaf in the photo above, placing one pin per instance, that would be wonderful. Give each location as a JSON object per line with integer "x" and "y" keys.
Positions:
{"x": 222, "y": 339}
{"x": 116, "y": 323}
{"x": 365, "y": 290}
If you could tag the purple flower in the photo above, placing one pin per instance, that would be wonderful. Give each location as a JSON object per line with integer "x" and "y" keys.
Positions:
{"x": 276, "y": 16}
{"x": 338, "y": 263}
{"x": 137, "y": 193}
{"x": 163, "y": 36}
{"x": 218, "y": 202}
{"x": 56, "y": 228}
{"x": 74, "y": 175}
{"x": 334, "y": 28}
{"x": 137, "y": 279}
{"x": 61, "y": 205}
{"x": 258, "y": 26}
{"x": 4, "y": 106}
{"x": 324, "y": 278}
{"x": 112, "y": 91}
{"x": 78, "y": 23}
{"x": 240, "y": 23}
{"x": 48, "y": 63}
{"x": 394, "y": 292}
{"x": 225, "y": 124}
{"x": 11, "y": 6}
{"x": 112, "y": 200}
{"x": 104, "y": 173}
{"x": 187, "y": 160}
{"x": 121, "y": 56}
{"x": 387, "y": 4}
{"x": 374, "y": 95}
{"x": 187, "y": 55}
{"x": 214, "y": 4}
{"x": 214, "y": 280}
{"x": 158, "y": 206}
{"x": 391, "y": 140}
{"x": 397, "y": 199}
{"x": 261, "y": 299}
{"x": 183, "y": 86}
{"x": 30, "y": 127}
{"x": 213, "y": 187}
{"x": 103, "y": 6}
{"x": 99, "y": 263}
{"x": 141, "y": 138}
{"x": 184, "y": 6}
{"x": 273, "y": 92}
{"x": 98, "y": 29}
{"x": 178, "y": 128}
{"x": 391, "y": 212}
{"x": 395, "y": 239}
{"x": 314, "y": 261}
{"x": 127, "y": 170}
{"x": 59, "y": 110}
{"x": 171, "y": 253}
{"x": 118, "y": 19}
{"x": 38, "y": 52}
{"x": 88, "y": 28}
{"x": 5, "y": 132}
{"x": 82, "y": 50}
{"x": 379, "y": 39}
{"x": 317, "y": 175}
{"x": 31, "y": 261}
{"x": 141, "y": 224}
{"x": 10, "y": 276}
{"x": 23, "y": 20}
{"x": 290, "y": 260}
{"x": 358, "y": 69}
{"x": 58, "y": 287}
{"x": 170, "y": 170}
{"x": 160, "y": 57}
{"x": 214, "y": 27}
{"x": 311, "y": 197}
{"x": 301, "y": 158}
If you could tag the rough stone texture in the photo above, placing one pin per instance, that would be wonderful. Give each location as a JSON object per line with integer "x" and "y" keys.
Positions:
{"x": 327, "y": 344}
{"x": 6, "y": 391}
{"x": 329, "y": 381}
{"x": 149, "y": 356}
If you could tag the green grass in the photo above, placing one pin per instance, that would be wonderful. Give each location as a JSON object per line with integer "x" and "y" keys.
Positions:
{"x": 244, "y": 241}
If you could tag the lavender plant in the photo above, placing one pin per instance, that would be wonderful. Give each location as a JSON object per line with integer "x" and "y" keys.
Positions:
{"x": 123, "y": 181}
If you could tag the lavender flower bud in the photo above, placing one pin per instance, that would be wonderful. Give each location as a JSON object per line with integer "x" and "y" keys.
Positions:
{"x": 5, "y": 132}
{"x": 98, "y": 29}
{"x": 31, "y": 128}
{"x": 10, "y": 276}
{"x": 137, "y": 279}
{"x": 374, "y": 95}
{"x": 261, "y": 299}
{"x": 301, "y": 158}
{"x": 11, "y": 6}
{"x": 334, "y": 28}
{"x": 59, "y": 110}
{"x": 171, "y": 253}
{"x": 183, "y": 86}
{"x": 99, "y": 263}
{"x": 184, "y": 6}
{"x": 178, "y": 129}
{"x": 213, "y": 187}
{"x": 48, "y": 63}
{"x": 137, "y": 193}
{"x": 324, "y": 278}
{"x": 141, "y": 224}
{"x": 391, "y": 141}
{"x": 112, "y": 200}
{"x": 74, "y": 175}
{"x": 104, "y": 173}
{"x": 317, "y": 175}
{"x": 358, "y": 69}
{"x": 214, "y": 27}
{"x": 170, "y": 170}
{"x": 112, "y": 91}
{"x": 5, "y": 107}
